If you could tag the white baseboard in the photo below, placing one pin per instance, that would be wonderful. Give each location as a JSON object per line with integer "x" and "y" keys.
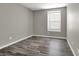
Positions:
{"x": 40, "y": 36}
{"x": 15, "y": 42}
{"x": 27, "y": 38}
{"x": 50, "y": 36}
{"x": 71, "y": 48}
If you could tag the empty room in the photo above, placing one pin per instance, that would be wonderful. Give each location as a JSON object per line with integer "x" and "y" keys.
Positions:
{"x": 39, "y": 29}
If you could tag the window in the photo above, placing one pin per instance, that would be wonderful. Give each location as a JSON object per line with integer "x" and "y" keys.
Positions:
{"x": 54, "y": 21}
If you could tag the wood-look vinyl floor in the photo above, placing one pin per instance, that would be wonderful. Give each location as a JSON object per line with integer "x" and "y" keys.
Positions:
{"x": 38, "y": 46}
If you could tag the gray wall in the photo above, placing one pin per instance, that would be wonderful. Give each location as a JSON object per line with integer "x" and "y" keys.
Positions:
{"x": 72, "y": 26}
{"x": 15, "y": 21}
{"x": 40, "y": 23}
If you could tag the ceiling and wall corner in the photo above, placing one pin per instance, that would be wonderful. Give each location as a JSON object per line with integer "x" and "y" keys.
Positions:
{"x": 40, "y": 17}
{"x": 39, "y": 6}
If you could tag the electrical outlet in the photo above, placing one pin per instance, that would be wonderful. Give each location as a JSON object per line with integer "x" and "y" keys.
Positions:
{"x": 10, "y": 38}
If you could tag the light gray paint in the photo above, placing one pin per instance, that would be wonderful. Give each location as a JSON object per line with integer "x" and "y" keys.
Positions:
{"x": 15, "y": 21}
{"x": 40, "y": 23}
{"x": 73, "y": 26}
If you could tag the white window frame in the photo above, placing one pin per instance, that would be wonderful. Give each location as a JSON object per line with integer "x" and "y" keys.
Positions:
{"x": 54, "y": 30}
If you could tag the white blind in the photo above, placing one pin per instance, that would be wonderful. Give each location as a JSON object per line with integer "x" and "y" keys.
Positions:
{"x": 54, "y": 21}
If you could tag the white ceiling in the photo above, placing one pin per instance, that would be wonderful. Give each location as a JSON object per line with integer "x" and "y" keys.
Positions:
{"x": 38, "y": 6}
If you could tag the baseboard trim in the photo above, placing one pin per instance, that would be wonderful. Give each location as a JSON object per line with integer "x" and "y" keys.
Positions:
{"x": 40, "y": 36}
{"x": 16, "y": 41}
{"x": 71, "y": 48}
{"x": 50, "y": 36}
{"x": 29, "y": 37}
